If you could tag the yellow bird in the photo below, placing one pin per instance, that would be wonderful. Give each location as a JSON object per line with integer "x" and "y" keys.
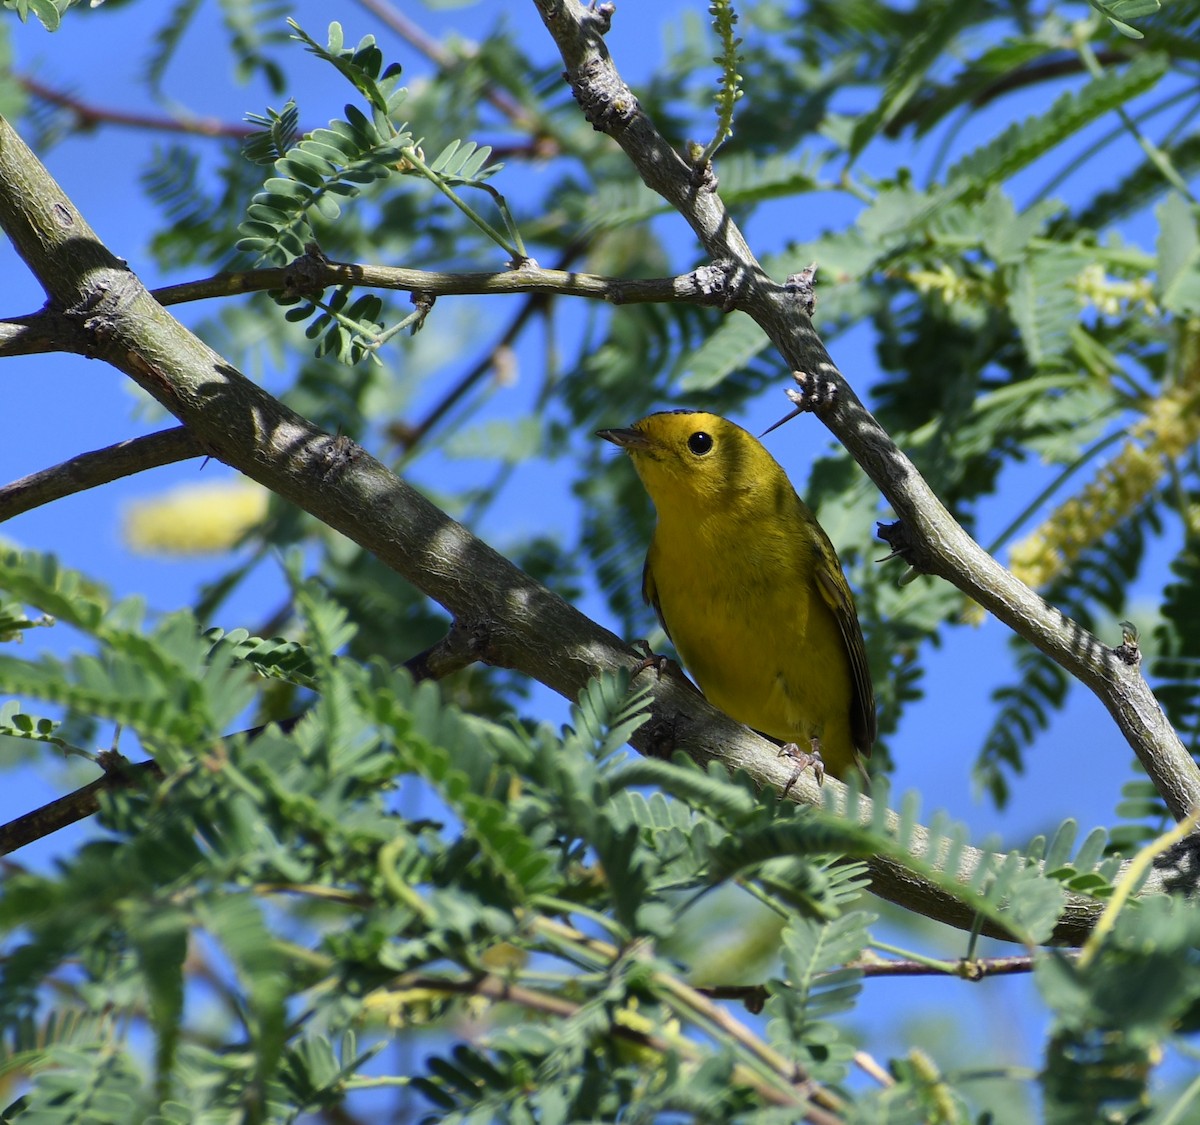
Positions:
{"x": 749, "y": 588}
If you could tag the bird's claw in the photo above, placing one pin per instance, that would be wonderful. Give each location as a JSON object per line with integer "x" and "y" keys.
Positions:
{"x": 804, "y": 759}
{"x": 650, "y": 659}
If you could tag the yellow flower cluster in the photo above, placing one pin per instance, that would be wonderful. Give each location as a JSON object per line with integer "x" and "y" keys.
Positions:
{"x": 952, "y": 287}
{"x": 1117, "y": 489}
{"x": 1105, "y": 293}
{"x": 195, "y": 519}
{"x": 1170, "y": 427}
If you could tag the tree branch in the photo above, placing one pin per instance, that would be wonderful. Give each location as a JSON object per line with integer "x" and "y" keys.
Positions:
{"x": 314, "y": 272}
{"x": 755, "y": 996}
{"x": 939, "y": 545}
{"x": 782, "y": 1092}
{"x": 88, "y": 116}
{"x": 310, "y": 274}
{"x": 1060, "y": 65}
{"x": 100, "y": 466}
{"x": 512, "y": 615}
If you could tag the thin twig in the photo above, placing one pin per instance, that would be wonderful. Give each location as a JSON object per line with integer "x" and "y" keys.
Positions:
{"x": 869, "y": 1066}
{"x": 754, "y": 996}
{"x": 693, "y": 1004}
{"x": 311, "y": 274}
{"x": 1059, "y": 66}
{"x": 88, "y": 116}
{"x": 100, "y": 466}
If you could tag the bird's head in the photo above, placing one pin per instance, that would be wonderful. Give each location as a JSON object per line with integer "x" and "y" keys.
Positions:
{"x": 687, "y": 458}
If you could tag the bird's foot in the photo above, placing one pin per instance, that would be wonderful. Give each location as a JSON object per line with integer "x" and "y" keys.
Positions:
{"x": 804, "y": 759}
{"x": 650, "y": 659}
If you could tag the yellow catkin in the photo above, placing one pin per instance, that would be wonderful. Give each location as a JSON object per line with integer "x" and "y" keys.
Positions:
{"x": 195, "y": 519}
{"x": 1170, "y": 427}
{"x": 938, "y": 1102}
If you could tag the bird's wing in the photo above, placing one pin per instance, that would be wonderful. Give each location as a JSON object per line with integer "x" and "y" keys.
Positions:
{"x": 650, "y": 593}
{"x": 836, "y": 593}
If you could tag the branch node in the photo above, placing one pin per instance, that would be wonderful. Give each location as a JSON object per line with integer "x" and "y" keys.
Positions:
{"x": 704, "y": 176}
{"x": 661, "y": 734}
{"x": 602, "y": 16}
{"x": 302, "y": 277}
{"x": 896, "y": 535}
{"x": 800, "y": 287}
{"x": 721, "y": 282}
{"x": 1128, "y": 651}
{"x": 99, "y": 309}
{"x": 336, "y": 455}
{"x": 424, "y": 305}
{"x": 466, "y": 643}
{"x": 815, "y": 393}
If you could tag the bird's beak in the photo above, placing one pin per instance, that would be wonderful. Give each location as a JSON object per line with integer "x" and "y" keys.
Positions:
{"x": 627, "y": 438}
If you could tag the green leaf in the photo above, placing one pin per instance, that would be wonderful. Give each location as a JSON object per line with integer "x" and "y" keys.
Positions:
{"x": 1119, "y": 12}
{"x": 736, "y": 341}
{"x": 236, "y": 921}
{"x": 940, "y": 24}
{"x": 1178, "y": 255}
{"x": 1044, "y": 305}
{"x": 818, "y": 986}
{"x": 160, "y": 939}
{"x": 1020, "y": 144}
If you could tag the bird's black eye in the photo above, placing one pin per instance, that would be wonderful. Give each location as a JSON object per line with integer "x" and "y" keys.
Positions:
{"x": 700, "y": 443}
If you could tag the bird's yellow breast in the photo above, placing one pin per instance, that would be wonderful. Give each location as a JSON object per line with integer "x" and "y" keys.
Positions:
{"x": 749, "y": 624}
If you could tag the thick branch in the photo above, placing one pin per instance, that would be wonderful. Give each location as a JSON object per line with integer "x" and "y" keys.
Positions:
{"x": 941, "y": 546}
{"x": 100, "y": 466}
